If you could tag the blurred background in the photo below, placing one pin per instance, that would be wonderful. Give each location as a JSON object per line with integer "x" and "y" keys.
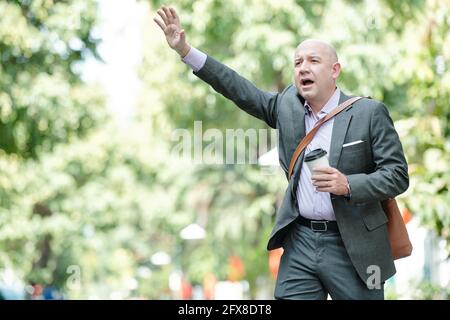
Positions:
{"x": 95, "y": 205}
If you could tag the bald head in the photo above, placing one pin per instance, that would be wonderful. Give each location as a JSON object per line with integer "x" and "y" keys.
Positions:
{"x": 316, "y": 69}
{"x": 324, "y": 47}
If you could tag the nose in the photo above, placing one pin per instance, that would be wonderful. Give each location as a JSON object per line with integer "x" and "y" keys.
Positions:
{"x": 304, "y": 68}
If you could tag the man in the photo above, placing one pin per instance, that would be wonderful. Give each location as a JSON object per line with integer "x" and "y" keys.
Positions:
{"x": 330, "y": 223}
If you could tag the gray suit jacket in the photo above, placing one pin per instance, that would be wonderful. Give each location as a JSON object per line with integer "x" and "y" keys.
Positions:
{"x": 376, "y": 169}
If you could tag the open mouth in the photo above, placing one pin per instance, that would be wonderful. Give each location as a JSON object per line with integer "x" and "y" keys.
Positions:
{"x": 306, "y": 82}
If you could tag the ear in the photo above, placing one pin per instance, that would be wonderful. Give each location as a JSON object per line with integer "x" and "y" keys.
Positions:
{"x": 336, "y": 70}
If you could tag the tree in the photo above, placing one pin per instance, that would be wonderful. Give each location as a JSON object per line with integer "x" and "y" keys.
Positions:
{"x": 43, "y": 104}
{"x": 42, "y": 99}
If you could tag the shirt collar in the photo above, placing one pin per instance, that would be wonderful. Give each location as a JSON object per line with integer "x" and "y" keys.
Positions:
{"x": 332, "y": 103}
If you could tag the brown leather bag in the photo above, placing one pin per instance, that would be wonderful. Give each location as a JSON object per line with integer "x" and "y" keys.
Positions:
{"x": 401, "y": 246}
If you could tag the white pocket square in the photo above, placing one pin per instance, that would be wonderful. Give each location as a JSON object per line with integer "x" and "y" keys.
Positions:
{"x": 352, "y": 143}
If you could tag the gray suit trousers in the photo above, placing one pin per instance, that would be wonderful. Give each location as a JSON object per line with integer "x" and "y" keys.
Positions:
{"x": 315, "y": 264}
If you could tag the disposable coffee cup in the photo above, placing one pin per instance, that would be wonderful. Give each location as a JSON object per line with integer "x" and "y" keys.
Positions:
{"x": 316, "y": 158}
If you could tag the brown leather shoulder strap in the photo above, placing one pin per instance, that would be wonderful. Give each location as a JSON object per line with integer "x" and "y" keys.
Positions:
{"x": 307, "y": 139}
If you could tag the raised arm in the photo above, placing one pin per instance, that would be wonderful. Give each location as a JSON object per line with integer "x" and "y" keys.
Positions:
{"x": 256, "y": 102}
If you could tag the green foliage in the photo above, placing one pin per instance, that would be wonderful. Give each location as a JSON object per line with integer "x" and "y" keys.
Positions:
{"x": 42, "y": 100}
{"x": 425, "y": 290}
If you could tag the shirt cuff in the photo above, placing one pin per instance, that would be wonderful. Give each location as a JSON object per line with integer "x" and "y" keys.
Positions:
{"x": 195, "y": 59}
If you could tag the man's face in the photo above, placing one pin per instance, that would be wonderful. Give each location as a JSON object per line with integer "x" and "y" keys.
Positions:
{"x": 316, "y": 70}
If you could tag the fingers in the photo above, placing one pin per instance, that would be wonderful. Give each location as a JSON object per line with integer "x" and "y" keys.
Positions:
{"x": 321, "y": 177}
{"x": 167, "y": 13}
{"x": 324, "y": 170}
{"x": 163, "y": 16}
{"x": 323, "y": 184}
{"x": 174, "y": 13}
{"x": 168, "y": 16}
{"x": 329, "y": 190}
{"x": 331, "y": 183}
{"x": 159, "y": 23}
{"x": 326, "y": 186}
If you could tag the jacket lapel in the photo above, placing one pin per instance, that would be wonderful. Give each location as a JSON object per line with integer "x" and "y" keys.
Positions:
{"x": 298, "y": 127}
{"x": 298, "y": 120}
{"x": 340, "y": 126}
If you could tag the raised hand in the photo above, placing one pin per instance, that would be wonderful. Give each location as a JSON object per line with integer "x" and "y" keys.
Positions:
{"x": 175, "y": 35}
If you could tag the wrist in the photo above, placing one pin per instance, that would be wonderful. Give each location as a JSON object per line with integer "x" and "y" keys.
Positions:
{"x": 349, "y": 190}
{"x": 184, "y": 51}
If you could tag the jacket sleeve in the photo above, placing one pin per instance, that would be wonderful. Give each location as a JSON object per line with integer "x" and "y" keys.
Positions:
{"x": 390, "y": 177}
{"x": 258, "y": 103}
